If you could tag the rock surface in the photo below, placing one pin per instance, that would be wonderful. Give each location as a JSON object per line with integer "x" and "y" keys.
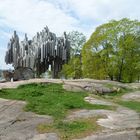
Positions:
{"x": 122, "y": 124}
{"x": 94, "y": 86}
{"x": 135, "y": 96}
{"x": 15, "y": 124}
{"x": 23, "y": 74}
{"x": 123, "y": 135}
{"x": 97, "y": 101}
{"x": 115, "y": 120}
{"x": 47, "y": 136}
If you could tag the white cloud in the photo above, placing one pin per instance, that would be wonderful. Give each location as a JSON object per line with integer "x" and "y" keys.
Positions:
{"x": 32, "y": 15}
{"x": 92, "y": 13}
{"x": 106, "y": 9}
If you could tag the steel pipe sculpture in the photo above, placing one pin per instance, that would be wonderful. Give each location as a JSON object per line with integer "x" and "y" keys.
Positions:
{"x": 37, "y": 54}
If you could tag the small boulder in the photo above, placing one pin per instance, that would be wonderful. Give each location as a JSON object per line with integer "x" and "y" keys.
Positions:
{"x": 23, "y": 74}
{"x": 73, "y": 88}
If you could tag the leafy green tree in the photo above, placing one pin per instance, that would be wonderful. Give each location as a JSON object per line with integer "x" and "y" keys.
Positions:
{"x": 115, "y": 47}
{"x": 131, "y": 69}
{"x": 74, "y": 67}
{"x": 77, "y": 40}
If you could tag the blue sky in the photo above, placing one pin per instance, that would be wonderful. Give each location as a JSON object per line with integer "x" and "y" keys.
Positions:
{"x": 30, "y": 16}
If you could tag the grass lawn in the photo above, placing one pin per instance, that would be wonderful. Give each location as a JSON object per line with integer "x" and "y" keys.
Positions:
{"x": 52, "y": 99}
{"x": 49, "y": 99}
{"x": 71, "y": 129}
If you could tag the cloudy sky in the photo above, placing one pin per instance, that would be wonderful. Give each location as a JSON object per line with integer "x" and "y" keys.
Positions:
{"x": 30, "y": 16}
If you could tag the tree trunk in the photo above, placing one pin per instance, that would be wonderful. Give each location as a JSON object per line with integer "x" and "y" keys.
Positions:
{"x": 120, "y": 71}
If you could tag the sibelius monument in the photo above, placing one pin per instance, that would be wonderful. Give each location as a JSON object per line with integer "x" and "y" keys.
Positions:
{"x": 37, "y": 55}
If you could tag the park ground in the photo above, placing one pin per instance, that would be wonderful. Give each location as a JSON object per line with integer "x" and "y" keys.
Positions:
{"x": 85, "y": 109}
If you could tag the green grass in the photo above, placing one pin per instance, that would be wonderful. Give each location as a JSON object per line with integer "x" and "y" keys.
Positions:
{"x": 52, "y": 99}
{"x": 72, "y": 129}
{"x": 130, "y": 104}
{"x": 49, "y": 99}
